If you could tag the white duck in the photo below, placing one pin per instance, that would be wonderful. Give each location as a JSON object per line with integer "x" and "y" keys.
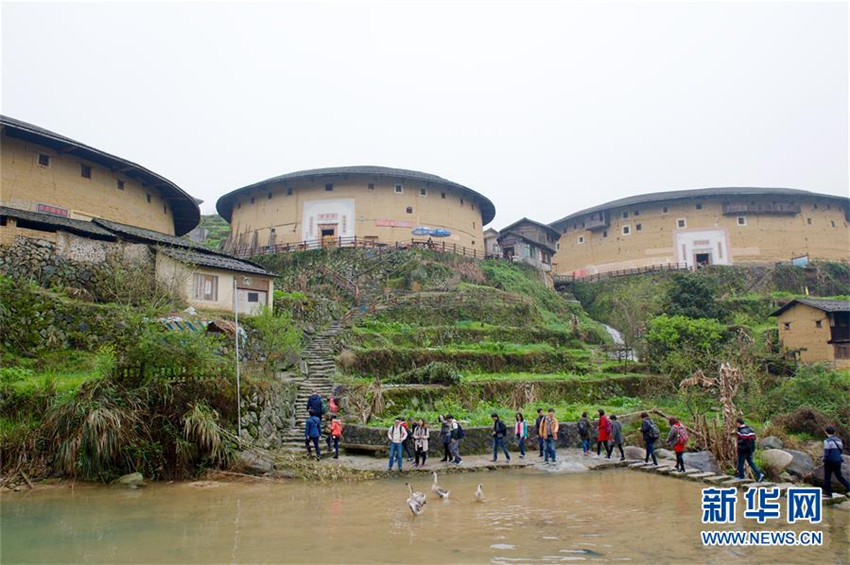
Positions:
{"x": 416, "y": 501}
{"x": 416, "y": 495}
{"x": 441, "y": 492}
{"x": 479, "y": 494}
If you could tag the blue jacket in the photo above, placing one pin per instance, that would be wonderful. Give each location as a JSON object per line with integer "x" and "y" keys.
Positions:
{"x": 313, "y": 427}
{"x": 314, "y": 403}
{"x": 832, "y": 448}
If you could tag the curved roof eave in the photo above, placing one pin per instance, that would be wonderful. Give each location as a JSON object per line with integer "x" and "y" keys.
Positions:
{"x": 224, "y": 205}
{"x": 185, "y": 210}
{"x": 696, "y": 193}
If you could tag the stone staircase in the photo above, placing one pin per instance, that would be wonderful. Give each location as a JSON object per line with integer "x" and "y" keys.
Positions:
{"x": 319, "y": 365}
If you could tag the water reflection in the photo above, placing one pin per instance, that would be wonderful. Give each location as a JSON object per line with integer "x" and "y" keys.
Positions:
{"x": 528, "y": 517}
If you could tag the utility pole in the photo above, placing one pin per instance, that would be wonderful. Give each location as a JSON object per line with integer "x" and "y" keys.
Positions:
{"x": 238, "y": 381}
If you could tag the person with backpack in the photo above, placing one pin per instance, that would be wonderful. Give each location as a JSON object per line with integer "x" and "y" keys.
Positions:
{"x": 336, "y": 434}
{"x": 616, "y": 438}
{"x": 651, "y": 433}
{"x": 584, "y": 433}
{"x": 537, "y": 428}
{"x": 408, "y": 426}
{"x": 457, "y": 435}
{"x": 332, "y": 405}
{"x": 499, "y": 433}
{"x": 521, "y": 432}
{"x": 832, "y": 449}
{"x": 396, "y": 434}
{"x": 549, "y": 430}
{"x": 445, "y": 437}
{"x": 678, "y": 439}
{"x": 312, "y": 433}
{"x": 603, "y": 433}
{"x": 746, "y": 449}
{"x": 315, "y": 404}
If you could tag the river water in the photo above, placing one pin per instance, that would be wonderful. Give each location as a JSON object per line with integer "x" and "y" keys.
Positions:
{"x": 528, "y": 517}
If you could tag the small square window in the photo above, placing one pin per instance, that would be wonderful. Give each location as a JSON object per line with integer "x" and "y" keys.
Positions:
{"x": 253, "y": 297}
{"x": 625, "y": 215}
{"x": 787, "y": 325}
{"x": 473, "y": 225}
{"x": 43, "y": 160}
{"x": 558, "y": 246}
{"x": 638, "y": 227}
{"x": 253, "y": 199}
{"x": 443, "y": 195}
{"x": 580, "y": 239}
{"x": 636, "y": 213}
{"x": 699, "y": 205}
{"x": 809, "y": 221}
{"x": 269, "y": 197}
{"x": 742, "y": 220}
{"x": 665, "y": 209}
{"x": 289, "y": 191}
{"x": 627, "y": 230}
{"x": 238, "y": 204}
{"x": 605, "y": 233}
{"x": 409, "y": 210}
{"x": 398, "y": 189}
{"x": 473, "y": 242}
{"x": 85, "y": 171}
{"x": 329, "y": 187}
{"x": 165, "y": 209}
{"x": 461, "y": 201}
{"x": 148, "y": 197}
{"x": 833, "y": 223}
{"x": 818, "y": 323}
{"x": 472, "y": 204}
{"x": 423, "y": 191}
{"x": 119, "y": 183}
{"x": 371, "y": 187}
{"x": 682, "y": 223}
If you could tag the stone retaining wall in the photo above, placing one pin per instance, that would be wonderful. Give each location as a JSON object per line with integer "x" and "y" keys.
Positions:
{"x": 268, "y": 412}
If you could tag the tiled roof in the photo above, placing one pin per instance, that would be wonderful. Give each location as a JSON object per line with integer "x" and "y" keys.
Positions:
{"x": 216, "y": 261}
{"x": 727, "y": 191}
{"x": 544, "y": 227}
{"x": 505, "y": 234}
{"x": 184, "y": 207}
{"x": 824, "y": 304}
{"x": 142, "y": 235}
{"x": 488, "y": 210}
{"x": 49, "y": 222}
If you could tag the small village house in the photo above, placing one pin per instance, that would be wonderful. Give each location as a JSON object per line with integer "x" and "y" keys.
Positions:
{"x": 816, "y": 330}
{"x": 491, "y": 244}
{"x": 529, "y": 242}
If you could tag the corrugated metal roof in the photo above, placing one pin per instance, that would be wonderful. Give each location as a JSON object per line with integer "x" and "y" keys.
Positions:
{"x": 184, "y": 208}
{"x": 697, "y": 193}
{"x": 49, "y": 222}
{"x": 222, "y": 262}
{"x": 488, "y": 210}
{"x": 825, "y": 304}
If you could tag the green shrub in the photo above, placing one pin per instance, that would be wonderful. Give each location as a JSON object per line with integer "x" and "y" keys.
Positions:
{"x": 679, "y": 345}
{"x": 278, "y": 334}
{"x": 436, "y": 373}
{"x": 814, "y": 386}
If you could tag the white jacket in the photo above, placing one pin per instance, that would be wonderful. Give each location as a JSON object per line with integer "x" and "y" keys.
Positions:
{"x": 397, "y": 435}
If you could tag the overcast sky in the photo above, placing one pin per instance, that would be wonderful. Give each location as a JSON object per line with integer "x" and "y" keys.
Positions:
{"x": 546, "y": 108}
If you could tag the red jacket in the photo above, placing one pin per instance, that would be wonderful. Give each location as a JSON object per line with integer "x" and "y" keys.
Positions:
{"x": 336, "y": 428}
{"x": 604, "y": 429}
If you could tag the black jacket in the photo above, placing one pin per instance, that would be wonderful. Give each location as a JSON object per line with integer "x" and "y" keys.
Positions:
{"x": 499, "y": 429}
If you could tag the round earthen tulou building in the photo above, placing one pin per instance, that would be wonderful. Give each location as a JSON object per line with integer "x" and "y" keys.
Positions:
{"x": 709, "y": 226}
{"x": 362, "y": 205}
{"x": 47, "y": 173}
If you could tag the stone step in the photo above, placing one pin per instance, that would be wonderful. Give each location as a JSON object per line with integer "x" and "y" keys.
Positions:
{"x": 716, "y": 479}
{"x": 698, "y": 476}
{"x": 738, "y": 482}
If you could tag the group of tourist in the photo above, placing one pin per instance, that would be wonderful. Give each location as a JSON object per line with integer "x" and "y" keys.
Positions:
{"x": 608, "y": 430}
{"x": 316, "y": 410}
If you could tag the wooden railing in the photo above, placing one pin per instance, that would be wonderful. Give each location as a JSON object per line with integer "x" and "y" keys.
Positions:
{"x": 571, "y": 278}
{"x": 441, "y": 246}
